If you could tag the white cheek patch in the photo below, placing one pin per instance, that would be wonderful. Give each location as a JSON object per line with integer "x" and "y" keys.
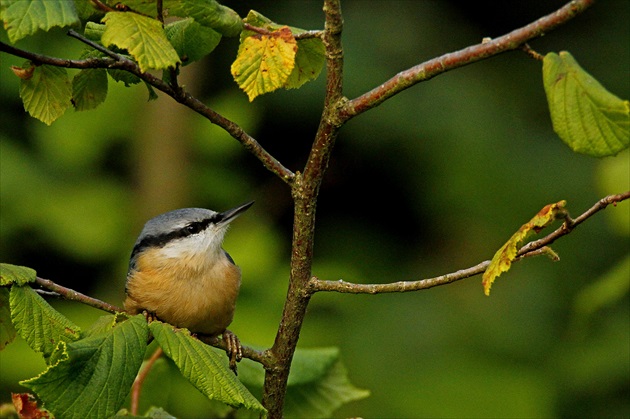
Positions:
{"x": 207, "y": 242}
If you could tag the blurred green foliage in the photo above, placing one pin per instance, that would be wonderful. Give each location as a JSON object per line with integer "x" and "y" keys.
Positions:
{"x": 432, "y": 181}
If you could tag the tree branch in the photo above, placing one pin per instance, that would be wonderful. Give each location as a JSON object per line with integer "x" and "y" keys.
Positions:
{"x": 72, "y": 295}
{"x": 118, "y": 61}
{"x": 446, "y": 62}
{"x": 530, "y": 249}
{"x": 305, "y": 190}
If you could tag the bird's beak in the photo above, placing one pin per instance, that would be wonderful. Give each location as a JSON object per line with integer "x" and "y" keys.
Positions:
{"x": 229, "y": 215}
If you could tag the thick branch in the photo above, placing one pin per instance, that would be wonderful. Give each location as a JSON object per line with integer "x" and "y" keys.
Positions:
{"x": 446, "y": 62}
{"x": 530, "y": 249}
{"x": 305, "y": 189}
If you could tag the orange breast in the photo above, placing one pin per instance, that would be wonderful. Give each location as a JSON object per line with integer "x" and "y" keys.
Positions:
{"x": 193, "y": 294}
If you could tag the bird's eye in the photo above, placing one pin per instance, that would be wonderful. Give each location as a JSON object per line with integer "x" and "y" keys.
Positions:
{"x": 192, "y": 228}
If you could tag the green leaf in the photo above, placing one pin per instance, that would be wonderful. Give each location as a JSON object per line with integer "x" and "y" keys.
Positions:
{"x": 143, "y": 37}
{"x": 587, "y": 117}
{"x": 92, "y": 377}
{"x": 318, "y": 383}
{"x": 7, "y": 330}
{"x": 47, "y": 93}
{"x": 14, "y": 274}
{"x": 309, "y": 62}
{"x": 124, "y": 76}
{"x": 89, "y": 88}
{"x": 40, "y": 325}
{"x": 24, "y": 18}
{"x": 203, "y": 367}
{"x": 94, "y": 31}
{"x": 191, "y": 40}
{"x": 208, "y": 13}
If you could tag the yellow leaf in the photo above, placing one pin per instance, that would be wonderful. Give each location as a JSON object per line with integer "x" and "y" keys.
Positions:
{"x": 503, "y": 258}
{"x": 264, "y": 62}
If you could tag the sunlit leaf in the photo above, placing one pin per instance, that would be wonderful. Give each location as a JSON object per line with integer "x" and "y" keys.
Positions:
{"x": 47, "y": 93}
{"x": 7, "y": 330}
{"x": 204, "y": 367}
{"x": 503, "y": 258}
{"x": 586, "y": 116}
{"x": 191, "y": 40}
{"x": 310, "y": 58}
{"x": 92, "y": 377}
{"x": 208, "y": 13}
{"x": 264, "y": 62}
{"x": 143, "y": 37}
{"x": 89, "y": 88}
{"x": 22, "y": 18}
{"x": 40, "y": 325}
{"x": 14, "y": 274}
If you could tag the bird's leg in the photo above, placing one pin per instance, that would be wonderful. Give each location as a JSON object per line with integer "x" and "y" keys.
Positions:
{"x": 149, "y": 316}
{"x": 234, "y": 349}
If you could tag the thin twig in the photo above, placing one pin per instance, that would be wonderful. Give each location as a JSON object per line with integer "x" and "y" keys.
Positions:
{"x": 136, "y": 389}
{"x": 487, "y": 48}
{"x": 530, "y": 249}
{"x": 298, "y": 37}
{"x": 72, "y": 295}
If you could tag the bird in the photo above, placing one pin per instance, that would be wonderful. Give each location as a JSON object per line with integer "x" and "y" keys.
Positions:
{"x": 180, "y": 274}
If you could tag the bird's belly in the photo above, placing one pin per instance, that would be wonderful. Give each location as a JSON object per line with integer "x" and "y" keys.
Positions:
{"x": 201, "y": 303}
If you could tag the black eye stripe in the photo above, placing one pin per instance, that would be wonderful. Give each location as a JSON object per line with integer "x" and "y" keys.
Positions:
{"x": 162, "y": 239}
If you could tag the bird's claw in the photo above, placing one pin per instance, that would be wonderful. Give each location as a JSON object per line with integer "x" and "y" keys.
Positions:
{"x": 234, "y": 349}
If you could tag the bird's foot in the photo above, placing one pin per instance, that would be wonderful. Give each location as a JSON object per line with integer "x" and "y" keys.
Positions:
{"x": 234, "y": 349}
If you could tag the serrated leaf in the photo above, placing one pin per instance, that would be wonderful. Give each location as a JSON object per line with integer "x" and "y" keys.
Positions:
{"x": 24, "y": 18}
{"x": 309, "y": 62}
{"x": 502, "y": 260}
{"x": 40, "y": 325}
{"x": 264, "y": 62}
{"x": 203, "y": 367}
{"x": 89, "y": 88}
{"x": 47, "y": 93}
{"x": 309, "y": 59}
{"x": 318, "y": 383}
{"x": 587, "y": 117}
{"x": 14, "y": 274}
{"x": 208, "y": 13}
{"x": 92, "y": 377}
{"x": 7, "y": 330}
{"x": 191, "y": 40}
{"x": 124, "y": 76}
{"x": 94, "y": 31}
{"x": 143, "y": 37}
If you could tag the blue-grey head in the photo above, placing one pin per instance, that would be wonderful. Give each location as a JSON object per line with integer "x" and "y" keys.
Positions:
{"x": 186, "y": 232}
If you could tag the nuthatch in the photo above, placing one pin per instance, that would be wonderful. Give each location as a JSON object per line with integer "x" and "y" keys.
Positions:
{"x": 180, "y": 274}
